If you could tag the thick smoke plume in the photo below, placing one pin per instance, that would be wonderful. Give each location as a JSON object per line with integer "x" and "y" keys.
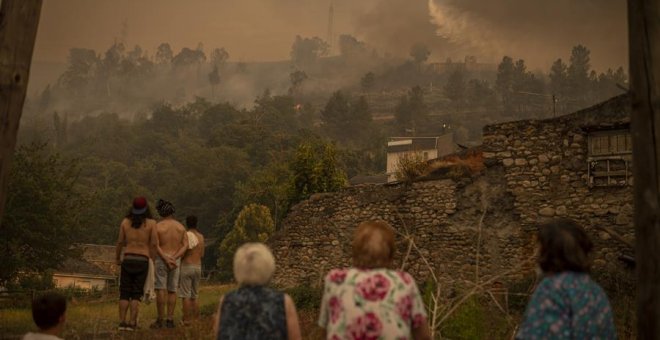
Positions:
{"x": 537, "y": 30}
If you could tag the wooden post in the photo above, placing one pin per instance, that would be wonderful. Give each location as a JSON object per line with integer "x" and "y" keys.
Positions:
{"x": 644, "y": 49}
{"x": 18, "y": 30}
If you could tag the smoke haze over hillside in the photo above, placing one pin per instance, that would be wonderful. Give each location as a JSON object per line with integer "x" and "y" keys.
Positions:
{"x": 538, "y": 31}
{"x": 255, "y": 30}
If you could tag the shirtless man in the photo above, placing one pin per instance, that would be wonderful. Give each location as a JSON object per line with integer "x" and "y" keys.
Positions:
{"x": 172, "y": 243}
{"x": 191, "y": 271}
{"x": 137, "y": 237}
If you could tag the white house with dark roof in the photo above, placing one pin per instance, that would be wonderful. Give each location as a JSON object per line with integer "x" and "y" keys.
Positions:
{"x": 426, "y": 147}
{"x": 94, "y": 270}
{"x": 81, "y": 274}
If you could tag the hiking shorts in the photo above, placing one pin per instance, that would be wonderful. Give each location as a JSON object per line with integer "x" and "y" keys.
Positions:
{"x": 190, "y": 276}
{"x": 166, "y": 278}
{"x": 134, "y": 270}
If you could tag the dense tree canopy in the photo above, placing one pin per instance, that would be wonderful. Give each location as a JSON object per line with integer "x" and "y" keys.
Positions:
{"x": 305, "y": 51}
{"x": 412, "y": 112}
{"x": 44, "y": 213}
{"x": 345, "y": 118}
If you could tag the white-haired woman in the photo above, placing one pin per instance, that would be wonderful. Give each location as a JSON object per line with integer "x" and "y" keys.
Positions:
{"x": 254, "y": 311}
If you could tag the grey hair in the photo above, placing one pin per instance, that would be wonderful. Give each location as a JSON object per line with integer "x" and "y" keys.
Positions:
{"x": 254, "y": 264}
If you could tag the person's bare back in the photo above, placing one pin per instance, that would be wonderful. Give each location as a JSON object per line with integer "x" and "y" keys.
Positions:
{"x": 194, "y": 255}
{"x": 137, "y": 240}
{"x": 171, "y": 238}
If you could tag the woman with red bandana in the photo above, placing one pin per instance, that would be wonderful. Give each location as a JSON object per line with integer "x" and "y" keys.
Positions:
{"x": 369, "y": 300}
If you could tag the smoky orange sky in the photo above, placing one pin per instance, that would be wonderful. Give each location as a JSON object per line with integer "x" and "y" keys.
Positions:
{"x": 538, "y": 31}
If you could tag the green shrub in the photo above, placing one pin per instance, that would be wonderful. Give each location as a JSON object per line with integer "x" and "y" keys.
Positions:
{"x": 619, "y": 285}
{"x": 79, "y": 293}
{"x": 519, "y": 294}
{"x": 476, "y": 318}
{"x": 305, "y": 297}
{"x": 33, "y": 281}
{"x": 208, "y": 310}
{"x": 253, "y": 224}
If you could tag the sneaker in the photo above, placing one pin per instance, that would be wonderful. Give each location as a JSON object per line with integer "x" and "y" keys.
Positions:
{"x": 123, "y": 326}
{"x": 169, "y": 323}
{"x": 157, "y": 324}
{"x": 131, "y": 328}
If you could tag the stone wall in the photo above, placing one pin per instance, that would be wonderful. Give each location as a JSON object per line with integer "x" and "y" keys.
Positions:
{"x": 535, "y": 169}
{"x": 545, "y": 164}
{"x": 441, "y": 216}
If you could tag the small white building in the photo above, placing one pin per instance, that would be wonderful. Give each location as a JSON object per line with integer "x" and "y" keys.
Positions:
{"x": 426, "y": 147}
{"x": 81, "y": 274}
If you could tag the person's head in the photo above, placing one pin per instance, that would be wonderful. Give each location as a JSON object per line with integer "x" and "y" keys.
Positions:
{"x": 564, "y": 246}
{"x": 191, "y": 221}
{"x": 254, "y": 264}
{"x": 373, "y": 245}
{"x": 138, "y": 212}
{"x": 165, "y": 208}
{"x": 48, "y": 311}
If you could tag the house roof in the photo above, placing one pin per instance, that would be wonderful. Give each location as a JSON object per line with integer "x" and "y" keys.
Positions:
{"x": 80, "y": 267}
{"x": 98, "y": 252}
{"x": 404, "y": 144}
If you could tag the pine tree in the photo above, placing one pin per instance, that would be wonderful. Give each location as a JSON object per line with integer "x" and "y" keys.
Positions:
{"x": 504, "y": 81}
{"x": 578, "y": 77}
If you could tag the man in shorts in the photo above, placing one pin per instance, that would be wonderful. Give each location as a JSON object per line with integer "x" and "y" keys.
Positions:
{"x": 172, "y": 244}
{"x": 191, "y": 271}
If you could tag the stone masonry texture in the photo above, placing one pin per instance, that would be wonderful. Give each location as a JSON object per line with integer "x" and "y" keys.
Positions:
{"x": 535, "y": 170}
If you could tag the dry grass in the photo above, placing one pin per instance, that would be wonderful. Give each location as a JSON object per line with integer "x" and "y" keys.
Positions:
{"x": 471, "y": 160}
{"x": 413, "y": 166}
{"x": 308, "y": 327}
{"x": 99, "y": 319}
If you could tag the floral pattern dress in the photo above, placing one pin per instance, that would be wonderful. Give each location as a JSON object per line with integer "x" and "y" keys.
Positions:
{"x": 568, "y": 306}
{"x": 370, "y": 304}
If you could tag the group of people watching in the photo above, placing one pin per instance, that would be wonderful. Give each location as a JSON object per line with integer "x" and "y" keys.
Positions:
{"x": 369, "y": 300}
{"x": 176, "y": 267}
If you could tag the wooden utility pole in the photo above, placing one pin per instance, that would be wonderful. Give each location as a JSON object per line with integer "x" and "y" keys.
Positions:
{"x": 644, "y": 48}
{"x": 18, "y": 30}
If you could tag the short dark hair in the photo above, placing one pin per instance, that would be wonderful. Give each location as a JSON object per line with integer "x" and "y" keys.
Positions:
{"x": 191, "y": 221}
{"x": 565, "y": 246}
{"x": 47, "y": 309}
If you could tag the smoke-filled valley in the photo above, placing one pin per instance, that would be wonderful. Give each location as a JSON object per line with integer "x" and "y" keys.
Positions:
{"x": 218, "y": 105}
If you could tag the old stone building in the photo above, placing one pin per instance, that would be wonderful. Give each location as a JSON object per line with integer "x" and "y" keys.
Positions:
{"x": 483, "y": 224}
{"x": 578, "y": 166}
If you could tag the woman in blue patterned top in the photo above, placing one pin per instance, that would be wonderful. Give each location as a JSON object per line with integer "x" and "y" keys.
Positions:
{"x": 567, "y": 304}
{"x": 254, "y": 311}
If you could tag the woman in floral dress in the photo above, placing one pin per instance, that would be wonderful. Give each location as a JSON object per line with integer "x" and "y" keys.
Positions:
{"x": 567, "y": 304}
{"x": 369, "y": 300}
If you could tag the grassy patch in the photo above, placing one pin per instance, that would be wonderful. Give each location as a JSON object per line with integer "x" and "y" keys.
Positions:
{"x": 476, "y": 318}
{"x": 306, "y": 297}
{"x": 90, "y": 319}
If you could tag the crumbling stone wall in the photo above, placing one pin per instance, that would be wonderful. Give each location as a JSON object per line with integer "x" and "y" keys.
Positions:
{"x": 545, "y": 164}
{"x": 535, "y": 169}
{"x": 441, "y": 216}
